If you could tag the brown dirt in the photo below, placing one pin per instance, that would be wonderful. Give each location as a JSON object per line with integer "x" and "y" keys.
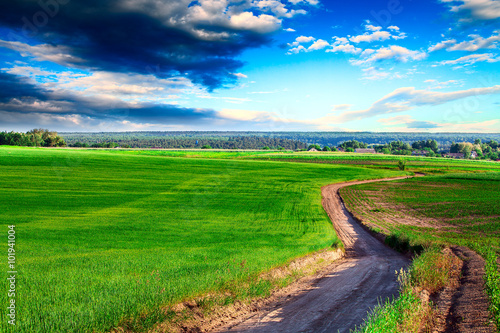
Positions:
{"x": 463, "y": 305}
{"x": 391, "y": 214}
{"x": 341, "y": 299}
{"x": 469, "y": 310}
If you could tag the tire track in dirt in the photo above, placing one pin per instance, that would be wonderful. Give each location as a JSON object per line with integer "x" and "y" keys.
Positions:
{"x": 340, "y": 300}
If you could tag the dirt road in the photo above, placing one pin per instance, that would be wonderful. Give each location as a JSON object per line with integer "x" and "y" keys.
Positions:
{"x": 340, "y": 300}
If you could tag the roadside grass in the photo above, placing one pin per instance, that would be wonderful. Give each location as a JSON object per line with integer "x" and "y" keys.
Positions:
{"x": 412, "y": 311}
{"x": 492, "y": 283}
{"x": 466, "y": 208}
{"x": 108, "y": 240}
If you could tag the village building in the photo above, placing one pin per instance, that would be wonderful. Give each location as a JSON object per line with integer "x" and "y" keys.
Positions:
{"x": 365, "y": 151}
{"x": 419, "y": 153}
{"x": 454, "y": 155}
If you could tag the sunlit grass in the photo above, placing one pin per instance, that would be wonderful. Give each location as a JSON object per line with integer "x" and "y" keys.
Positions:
{"x": 108, "y": 239}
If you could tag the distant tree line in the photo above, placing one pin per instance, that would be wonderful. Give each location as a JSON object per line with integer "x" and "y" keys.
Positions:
{"x": 244, "y": 142}
{"x": 431, "y": 147}
{"x": 35, "y": 138}
{"x": 330, "y": 139}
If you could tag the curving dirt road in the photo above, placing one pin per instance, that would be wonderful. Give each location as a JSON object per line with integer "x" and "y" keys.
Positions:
{"x": 339, "y": 301}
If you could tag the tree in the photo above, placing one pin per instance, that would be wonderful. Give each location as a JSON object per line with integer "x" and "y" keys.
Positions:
{"x": 402, "y": 165}
{"x": 353, "y": 144}
{"x": 266, "y": 148}
{"x": 334, "y": 149}
{"x": 206, "y": 147}
{"x": 35, "y": 136}
{"x": 326, "y": 148}
{"x": 493, "y": 144}
{"x": 317, "y": 147}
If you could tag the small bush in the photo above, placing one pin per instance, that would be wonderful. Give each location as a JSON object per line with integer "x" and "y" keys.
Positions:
{"x": 432, "y": 270}
{"x": 402, "y": 165}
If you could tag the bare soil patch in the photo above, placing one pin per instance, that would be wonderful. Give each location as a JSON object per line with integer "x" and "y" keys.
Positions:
{"x": 469, "y": 311}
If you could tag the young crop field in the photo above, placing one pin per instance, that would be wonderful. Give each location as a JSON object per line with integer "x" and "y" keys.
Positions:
{"x": 110, "y": 239}
{"x": 428, "y": 165}
{"x": 457, "y": 209}
{"x": 426, "y": 213}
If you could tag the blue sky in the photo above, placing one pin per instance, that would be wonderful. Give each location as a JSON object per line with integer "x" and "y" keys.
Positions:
{"x": 266, "y": 65}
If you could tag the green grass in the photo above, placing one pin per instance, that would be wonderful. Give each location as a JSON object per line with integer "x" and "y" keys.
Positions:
{"x": 416, "y": 164}
{"x": 108, "y": 239}
{"x": 464, "y": 205}
{"x": 428, "y": 273}
{"x": 196, "y": 153}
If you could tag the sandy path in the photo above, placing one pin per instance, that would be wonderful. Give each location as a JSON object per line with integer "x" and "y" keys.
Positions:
{"x": 340, "y": 300}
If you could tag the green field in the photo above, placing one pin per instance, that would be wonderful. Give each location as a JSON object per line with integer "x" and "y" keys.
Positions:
{"x": 110, "y": 239}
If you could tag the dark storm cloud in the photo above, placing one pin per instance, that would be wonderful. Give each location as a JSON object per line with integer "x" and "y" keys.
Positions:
{"x": 15, "y": 87}
{"x": 111, "y": 37}
{"x": 20, "y": 96}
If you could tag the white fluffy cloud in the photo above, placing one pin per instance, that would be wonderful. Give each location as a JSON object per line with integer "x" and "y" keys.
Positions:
{"x": 318, "y": 45}
{"x": 393, "y": 52}
{"x": 311, "y": 2}
{"x": 435, "y": 84}
{"x": 365, "y": 57}
{"x": 44, "y": 52}
{"x": 376, "y": 33}
{"x": 261, "y": 16}
{"x": 342, "y": 45}
{"x": 298, "y": 47}
{"x": 248, "y": 21}
{"x": 474, "y": 43}
{"x": 472, "y": 59}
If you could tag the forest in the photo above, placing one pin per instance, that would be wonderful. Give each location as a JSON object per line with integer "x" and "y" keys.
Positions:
{"x": 485, "y": 146}
{"x": 298, "y": 140}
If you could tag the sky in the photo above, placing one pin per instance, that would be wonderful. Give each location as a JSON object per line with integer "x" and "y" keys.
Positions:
{"x": 250, "y": 65}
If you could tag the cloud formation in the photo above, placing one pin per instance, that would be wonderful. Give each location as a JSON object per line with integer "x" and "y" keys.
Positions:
{"x": 472, "y": 59}
{"x": 474, "y": 43}
{"x": 196, "y": 39}
{"x": 474, "y": 10}
{"x": 407, "y": 98}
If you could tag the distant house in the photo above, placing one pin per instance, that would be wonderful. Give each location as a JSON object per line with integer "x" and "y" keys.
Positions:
{"x": 473, "y": 154}
{"x": 454, "y": 155}
{"x": 313, "y": 149}
{"x": 365, "y": 151}
{"x": 340, "y": 149}
{"x": 419, "y": 153}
